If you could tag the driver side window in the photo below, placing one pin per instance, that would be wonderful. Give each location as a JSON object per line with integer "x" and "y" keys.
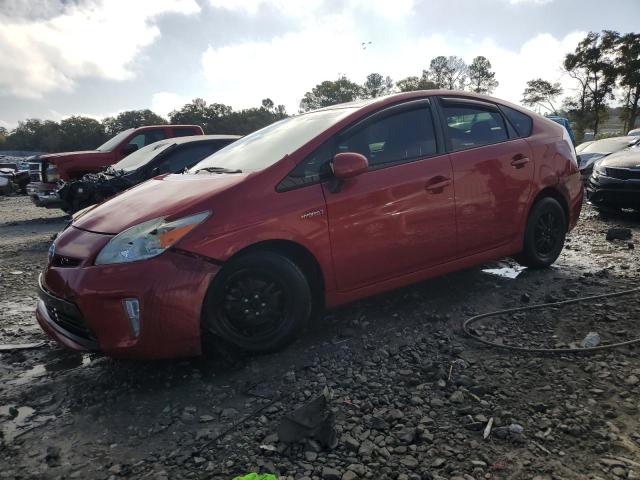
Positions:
{"x": 398, "y": 138}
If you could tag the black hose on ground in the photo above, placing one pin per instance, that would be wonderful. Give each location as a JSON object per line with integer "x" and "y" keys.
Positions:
{"x": 470, "y": 321}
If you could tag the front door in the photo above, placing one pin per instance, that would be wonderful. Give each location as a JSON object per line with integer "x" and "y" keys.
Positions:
{"x": 493, "y": 173}
{"x": 398, "y": 217}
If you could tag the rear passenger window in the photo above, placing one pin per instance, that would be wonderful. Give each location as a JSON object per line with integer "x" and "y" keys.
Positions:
{"x": 471, "y": 126}
{"x": 397, "y": 138}
{"x": 521, "y": 122}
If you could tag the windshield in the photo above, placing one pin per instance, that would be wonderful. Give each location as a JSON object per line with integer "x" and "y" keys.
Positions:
{"x": 112, "y": 143}
{"x": 143, "y": 156}
{"x": 266, "y": 146}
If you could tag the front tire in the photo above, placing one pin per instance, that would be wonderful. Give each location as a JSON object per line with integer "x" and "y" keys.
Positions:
{"x": 544, "y": 235}
{"x": 258, "y": 302}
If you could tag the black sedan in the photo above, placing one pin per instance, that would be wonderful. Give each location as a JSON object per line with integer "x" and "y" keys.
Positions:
{"x": 615, "y": 181}
{"x": 172, "y": 155}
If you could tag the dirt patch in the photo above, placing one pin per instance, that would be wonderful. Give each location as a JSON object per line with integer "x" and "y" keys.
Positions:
{"x": 411, "y": 396}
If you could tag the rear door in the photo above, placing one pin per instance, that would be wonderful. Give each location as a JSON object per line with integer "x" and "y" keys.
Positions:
{"x": 398, "y": 217}
{"x": 492, "y": 171}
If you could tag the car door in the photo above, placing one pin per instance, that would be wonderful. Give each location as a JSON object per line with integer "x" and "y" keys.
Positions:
{"x": 399, "y": 216}
{"x": 492, "y": 170}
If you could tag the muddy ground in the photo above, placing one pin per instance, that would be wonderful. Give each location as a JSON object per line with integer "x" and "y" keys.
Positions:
{"x": 411, "y": 395}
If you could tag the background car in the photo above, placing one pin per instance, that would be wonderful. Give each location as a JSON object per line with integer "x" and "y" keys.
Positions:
{"x": 17, "y": 178}
{"x": 313, "y": 211}
{"x": 48, "y": 169}
{"x": 615, "y": 181}
{"x": 166, "y": 156}
{"x": 634, "y": 133}
{"x": 592, "y": 151}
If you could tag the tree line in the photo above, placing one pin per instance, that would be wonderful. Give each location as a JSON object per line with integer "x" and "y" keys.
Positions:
{"x": 450, "y": 73}
{"x": 604, "y": 66}
{"x": 84, "y": 133}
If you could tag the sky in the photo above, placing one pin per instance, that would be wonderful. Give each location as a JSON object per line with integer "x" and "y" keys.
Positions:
{"x": 99, "y": 57}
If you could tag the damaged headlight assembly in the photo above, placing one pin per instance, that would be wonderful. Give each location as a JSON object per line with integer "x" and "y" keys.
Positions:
{"x": 148, "y": 239}
{"x": 599, "y": 169}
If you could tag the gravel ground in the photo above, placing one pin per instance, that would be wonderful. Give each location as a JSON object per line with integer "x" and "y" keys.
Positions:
{"x": 411, "y": 396}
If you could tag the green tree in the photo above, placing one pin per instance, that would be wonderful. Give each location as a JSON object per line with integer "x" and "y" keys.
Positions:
{"x": 217, "y": 118}
{"x": 3, "y": 136}
{"x": 81, "y": 133}
{"x": 131, "y": 119}
{"x": 331, "y": 92}
{"x": 376, "y": 85}
{"x": 34, "y": 134}
{"x": 542, "y": 93}
{"x": 592, "y": 61}
{"x": 448, "y": 72}
{"x": 627, "y": 61}
{"x": 414, "y": 83}
{"x": 481, "y": 78}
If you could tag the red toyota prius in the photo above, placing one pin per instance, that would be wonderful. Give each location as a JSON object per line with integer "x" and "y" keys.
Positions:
{"x": 319, "y": 209}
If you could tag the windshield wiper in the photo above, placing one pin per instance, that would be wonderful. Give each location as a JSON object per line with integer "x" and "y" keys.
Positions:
{"x": 218, "y": 170}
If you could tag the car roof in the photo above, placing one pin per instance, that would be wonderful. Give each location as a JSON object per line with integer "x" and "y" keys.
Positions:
{"x": 397, "y": 97}
{"x": 201, "y": 138}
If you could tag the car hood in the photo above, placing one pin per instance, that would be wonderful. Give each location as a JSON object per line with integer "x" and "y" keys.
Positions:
{"x": 629, "y": 158}
{"x": 61, "y": 157}
{"x": 170, "y": 196}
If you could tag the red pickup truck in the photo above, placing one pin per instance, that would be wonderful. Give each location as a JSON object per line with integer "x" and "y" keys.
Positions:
{"x": 46, "y": 170}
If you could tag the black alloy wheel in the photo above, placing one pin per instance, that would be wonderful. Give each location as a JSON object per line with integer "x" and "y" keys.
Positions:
{"x": 544, "y": 235}
{"x": 258, "y": 302}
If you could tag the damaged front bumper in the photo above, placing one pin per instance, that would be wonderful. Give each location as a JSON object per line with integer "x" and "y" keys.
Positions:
{"x": 613, "y": 192}
{"x": 148, "y": 309}
{"x": 44, "y": 194}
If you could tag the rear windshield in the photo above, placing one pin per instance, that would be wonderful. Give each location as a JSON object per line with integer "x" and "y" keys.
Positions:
{"x": 113, "y": 142}
{"x": 143, "y": 156}
{"x": 266, "y": 146}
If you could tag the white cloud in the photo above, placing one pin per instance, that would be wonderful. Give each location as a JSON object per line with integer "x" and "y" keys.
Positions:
{"x": 163, "y": 103}
{"x": 287, "y": 66}
{"x": 99, "y": 39}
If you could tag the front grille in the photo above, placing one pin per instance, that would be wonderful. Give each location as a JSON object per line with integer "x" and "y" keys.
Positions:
{"x": 67, "y": 317}
{"x": 623, "y": 173}
{"x": 35, "y": 171}
{"x": 71, "y": 323}
{"x": 65, "y": 262}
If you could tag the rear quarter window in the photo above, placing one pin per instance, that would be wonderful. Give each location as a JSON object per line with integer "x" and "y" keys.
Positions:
{"x": 521, "y": 122}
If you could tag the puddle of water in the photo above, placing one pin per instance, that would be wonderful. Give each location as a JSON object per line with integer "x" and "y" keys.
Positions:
{"x": 65, "y": 363}
{"x": 505, "y": 272}
{"x": 15, "y": 420}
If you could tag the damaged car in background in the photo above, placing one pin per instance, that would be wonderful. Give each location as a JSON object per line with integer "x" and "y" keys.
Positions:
{"x": 48, "y": 169}
{"x": 313, "y": 211}
{"x": 166, "y": 156}
{"x": 590, "y": 152}
{"x": 13, "y": 178}
{"x": 615, "y": 181}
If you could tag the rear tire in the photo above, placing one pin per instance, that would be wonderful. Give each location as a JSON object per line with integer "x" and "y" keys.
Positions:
{"x": 545, "y": 234}
{"x": 258, "y": 302}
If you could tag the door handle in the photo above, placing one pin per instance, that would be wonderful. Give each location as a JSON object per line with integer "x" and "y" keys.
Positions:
{"x": 519, "y": 160}
{"x": 437, "y": 184}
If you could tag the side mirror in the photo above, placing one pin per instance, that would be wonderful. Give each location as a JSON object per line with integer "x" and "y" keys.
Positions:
{"x": 129, "y": 148}
{"x": 349, "y": 164}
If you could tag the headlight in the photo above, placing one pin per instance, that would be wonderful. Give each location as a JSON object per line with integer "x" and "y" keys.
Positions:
{"x": 599, "y": 169}
{"x": 148, "y": 239}
{"x": 52, "y": 174}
